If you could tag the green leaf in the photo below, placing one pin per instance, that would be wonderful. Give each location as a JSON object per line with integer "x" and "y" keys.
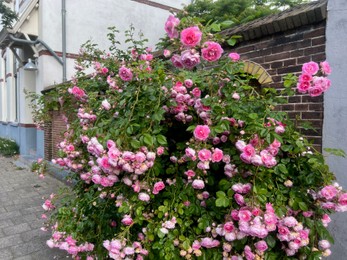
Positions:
{"x": 135, "y": 144}
{"x": 161, "y": 139}
{"x": 220, "y": 194}
{"x": 253, "y": 115}
{"x": 222, "y": 202}
{"x": 215, "y": 27}
{"x": 336, "y": 152}
{"x": 226, "y": 24}
{"x": 282, "y": 168}
{"x": 303, "y": 206}
{"x": 148, "y": 139}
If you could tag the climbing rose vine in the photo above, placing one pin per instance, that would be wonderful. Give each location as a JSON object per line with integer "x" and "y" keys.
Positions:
{"x": 183, "y": 158}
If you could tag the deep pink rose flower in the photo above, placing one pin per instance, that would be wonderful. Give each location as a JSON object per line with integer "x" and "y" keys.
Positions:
{"x": 249, "y": 150}
{"x": 212, "y": 52}
{"x": 315, "y": 91}
{"x": 77, "y": 92}
{"x": 201, "y": 132}
{"x": 125, "y": 74}
{"x": 228, "y": 226}
{"x": 310, "y": 68}
{"x": 305, "y": 77}
{"x": 234, "y": 56}
{"x": 245, "y": 215}
{"x": 303, "y": 86}
{"x": 196, "y": 92}
{"x": 158, "y": 186}
{"x": 190, "y": 58}
{"x": 343, "y": 199}
{"x": 217, "y": 155}
{"x": 127, "y": 220}
{"x": 191, "y": 36}
{"x": 170, "y": 26}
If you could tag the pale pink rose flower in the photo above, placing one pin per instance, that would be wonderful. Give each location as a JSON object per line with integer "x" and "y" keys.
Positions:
{"x": 325, "y": 67}
{"x": 201, "y": 132}
{"x": 236, "y": 96}
{"x": 290, "y": 221}
{"x": 321, "y": 82}
{"x": 323, "y": 244}
{"x": 234, "y": 56}
{"x": 167, "y": 53}
{"x": 256, "y": 160}
{"x": 125, "y": 74}
{"x": 310, "y": 68}
{"x": 143, "y": 196}
{"x": 191, "y": 36}
{"x": 239, "y": 199}
{"x": 328, "y": 192}
{"x": 268, "y": 160}
{"x": 212, "y": 52}
{"x": 50, "y": 243}
{"x": 160, "y": 150}
{"x": 127, "y": 220}
{"x": 248, "y": 253}
{"x": 240, "y": 145}
{"x": 190, "y": 58}
{"x": 261, "y": 246}
{"x": 128, "y": 250}
{"x": 198, "y": 184}
{"x": 307, "y": 214}
{"x": 280, "y": 129}
{"x": 246, "y": 158}
{"x": 170, "y": 26}
{"x": 217, "y": 155}
{"x": 190, "y": 152}
{"x": 176, "y": 61}
{"x": 326, "y": 220}
{"x": 106, "y": 105}
{"x": 158, "y": 186}
{"x": 204, "y": 155}
{"x": 208, "y": 242}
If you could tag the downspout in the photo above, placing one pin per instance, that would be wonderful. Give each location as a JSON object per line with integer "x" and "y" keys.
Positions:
{"x": 63, "y": 18}
{"x": 36, "y": 42}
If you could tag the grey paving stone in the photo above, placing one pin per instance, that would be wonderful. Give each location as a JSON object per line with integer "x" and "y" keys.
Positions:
{"x": 5, "y": 254}
{"x": 10, "y": 241}
{"x": 16, "y": 229}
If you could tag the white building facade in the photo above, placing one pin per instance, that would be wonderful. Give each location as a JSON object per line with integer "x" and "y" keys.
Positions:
{"x": 50, "y": 33}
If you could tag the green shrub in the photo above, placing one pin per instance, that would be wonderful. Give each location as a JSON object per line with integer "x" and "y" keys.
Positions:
{"x": 8, "y": 147}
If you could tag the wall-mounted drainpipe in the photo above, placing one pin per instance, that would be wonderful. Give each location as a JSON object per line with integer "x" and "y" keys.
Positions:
{"x": 63, "y": 18}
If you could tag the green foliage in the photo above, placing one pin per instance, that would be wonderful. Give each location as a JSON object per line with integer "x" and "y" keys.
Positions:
{"x": 7, "y": 15}
{"x": 8, "y": 147}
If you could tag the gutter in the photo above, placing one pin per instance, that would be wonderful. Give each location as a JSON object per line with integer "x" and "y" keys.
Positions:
{"x": 63, "y": 18}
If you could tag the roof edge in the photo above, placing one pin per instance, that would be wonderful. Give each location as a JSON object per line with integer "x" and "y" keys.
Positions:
{"x": 295, "y": 17}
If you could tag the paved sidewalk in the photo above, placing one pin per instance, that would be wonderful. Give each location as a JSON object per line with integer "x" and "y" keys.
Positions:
{"x": 21, "y": 197}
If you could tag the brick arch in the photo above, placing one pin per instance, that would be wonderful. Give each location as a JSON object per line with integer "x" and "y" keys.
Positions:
{"x": 258, "y": 72}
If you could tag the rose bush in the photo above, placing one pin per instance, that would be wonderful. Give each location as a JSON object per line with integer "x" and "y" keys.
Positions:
{"x": 184, "y": 159}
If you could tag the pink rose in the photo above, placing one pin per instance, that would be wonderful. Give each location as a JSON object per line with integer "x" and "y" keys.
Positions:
{"x": 170, "y": 26}
{"x": 261, "y": 246}
{"x": 204, "y": 155}
{"x": 303, "y": 86}
{"x": 77, "y": 92}
{"x": 310, "y": 68}
{"x": 191, "y": 36}
{"x": 249, "y": 150}
{"x": 158, "y": 186}
{"x": 106, "y": 105}
{"x": 196, "y": 92}
{"x": 248, "y": 253}
{"x": 201, "y": 132}
{"x": 268, "y": 160}
{"x": 325, "y": 67}
{"x": 208, "y": 242}
{"x": 236, "y": 96}
{"x": 212, "y": 52}
{"x": 127, "y": 220}
{"x": 245, "y": 215}
{"x": 328, "y": 192}
{"x": 234, "y": 56}
{"x": 228, "y": 226}
{"x": 315, "y": 91}
{"x": 280, "y": 129}
{"x": 198, "y": 184}
{"x": 125, "y": 73}
{"x": 240, "y": 145}
{"x": 144, "y": 196}
{"x": 217, "y": 155}
{"x": 305, "y": 77}
{"x": 239, "y": 199}
{"x": 176, "y": 61}
{"x": 282, "y": 230}
{"x": 160, "y": 150}
{"x": 188, "y": 83}
{"x": 190, "y": 173}
{"x": 323, "y": 244}
{"x": 321, "y": 82}
{"x": 167, "y": 53}
{"x": 190, "y": 58}
{"x": 343, "y": 199}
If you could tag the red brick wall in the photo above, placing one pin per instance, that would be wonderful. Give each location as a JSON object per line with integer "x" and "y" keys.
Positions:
{"x": 54, "y": 134}
{"x": 283, "y": 53}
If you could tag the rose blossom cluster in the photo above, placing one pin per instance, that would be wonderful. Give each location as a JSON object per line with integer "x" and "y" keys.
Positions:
{"x": 250, "y": 155}
{"x": 118, "y": 249}
{"x": 190, "y": 39}
{"x": 310, "y": 82}
{"x": 62, "y": 241}
{"x": 78, "y": 93}
{"x": 332, "y": 197}
{"x": 85, "y": 118}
